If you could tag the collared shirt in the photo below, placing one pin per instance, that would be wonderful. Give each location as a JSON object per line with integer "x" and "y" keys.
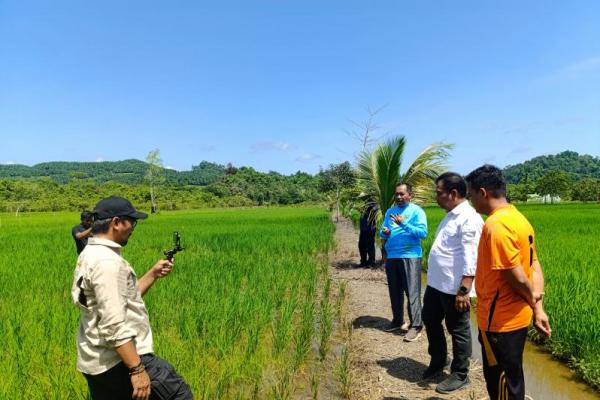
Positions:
{"x": 453, "y": 253}
{"x": 404, "y": 239}
{"x": 112, "y": 311}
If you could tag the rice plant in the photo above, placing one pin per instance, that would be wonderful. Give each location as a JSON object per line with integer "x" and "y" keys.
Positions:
{"x": 238, "y": 303}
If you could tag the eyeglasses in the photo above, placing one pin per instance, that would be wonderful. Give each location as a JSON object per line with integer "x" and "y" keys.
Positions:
{"x": 132, "y": 221}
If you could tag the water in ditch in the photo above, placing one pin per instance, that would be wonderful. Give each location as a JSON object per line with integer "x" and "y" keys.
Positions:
{"x": 545, "y": 377}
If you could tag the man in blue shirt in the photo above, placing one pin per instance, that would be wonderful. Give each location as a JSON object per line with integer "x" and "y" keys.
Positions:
{"x": 404, "y": 226}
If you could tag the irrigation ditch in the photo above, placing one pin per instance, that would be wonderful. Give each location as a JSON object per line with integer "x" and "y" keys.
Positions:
{"x": 382, "y": 366}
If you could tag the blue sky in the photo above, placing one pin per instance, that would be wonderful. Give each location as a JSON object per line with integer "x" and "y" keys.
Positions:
{"x": 275, "y": 85}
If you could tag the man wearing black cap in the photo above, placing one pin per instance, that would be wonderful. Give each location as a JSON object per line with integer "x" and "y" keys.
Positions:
{"x": 114, "y": 340}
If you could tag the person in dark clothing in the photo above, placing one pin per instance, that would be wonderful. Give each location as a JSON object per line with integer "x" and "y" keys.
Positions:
{"x": 83, "y": 231}
{"x": 366, "y": 238}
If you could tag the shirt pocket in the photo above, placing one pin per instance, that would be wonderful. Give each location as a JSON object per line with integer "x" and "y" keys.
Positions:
{"x": 450, "y": 238}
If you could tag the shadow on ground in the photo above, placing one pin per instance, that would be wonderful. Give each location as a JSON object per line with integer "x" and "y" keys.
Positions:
{"x": 373, "y": 322}
{"x": 370, "y": 321}
{"x": 345, "y": 264}
{"x": 406, "y": 369}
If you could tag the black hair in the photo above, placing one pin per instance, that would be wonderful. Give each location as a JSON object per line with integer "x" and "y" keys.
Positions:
{"x": 453, "y": 181}
{"x": 86, "y": 215}
{"x": 408, "y": 187}
{"x": 490, "y": 178}
{"x": 101, "y": 225}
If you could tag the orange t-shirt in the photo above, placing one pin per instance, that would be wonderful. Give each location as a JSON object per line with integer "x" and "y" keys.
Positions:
{"x": 507, "y": 241}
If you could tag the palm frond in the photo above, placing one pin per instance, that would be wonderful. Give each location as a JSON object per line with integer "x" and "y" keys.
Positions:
{"x": 379, "y": 171}
{"x": 427, "y": 166}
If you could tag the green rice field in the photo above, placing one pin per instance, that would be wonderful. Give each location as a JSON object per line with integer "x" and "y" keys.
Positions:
{"x": 237, "y": 316}
{"x": 568, "y": 246}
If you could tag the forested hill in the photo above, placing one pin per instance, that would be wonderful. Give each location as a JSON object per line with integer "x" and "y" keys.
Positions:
{"x": 57, "y": 186}
{"x": 127, "y": 171}
{"x": 576, "y": 165}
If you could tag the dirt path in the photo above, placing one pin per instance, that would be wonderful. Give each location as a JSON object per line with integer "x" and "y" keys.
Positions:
{"x": 383, "y": 365}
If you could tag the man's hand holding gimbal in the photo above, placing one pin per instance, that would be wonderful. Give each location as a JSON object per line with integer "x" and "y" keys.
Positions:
{"x": 159, "y": 270}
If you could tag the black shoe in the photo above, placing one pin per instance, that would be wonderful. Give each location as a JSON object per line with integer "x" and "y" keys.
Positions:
{"x": 452, "y": 383}
{"x": 392, "y": 328}
{"x": 432, "y": 371}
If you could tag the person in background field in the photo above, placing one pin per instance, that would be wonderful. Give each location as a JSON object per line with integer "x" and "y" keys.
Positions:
{"x": 82, "y": 232}
{"x": 450, "y": 271}
{"x": 114, "y": 341}
{"x": 366, "y": 238}
{"x": 404, "y": 226}
{"x": 509, "y": 284}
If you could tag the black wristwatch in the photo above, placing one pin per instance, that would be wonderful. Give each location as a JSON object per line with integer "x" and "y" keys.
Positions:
{"x": 463, "y": 290}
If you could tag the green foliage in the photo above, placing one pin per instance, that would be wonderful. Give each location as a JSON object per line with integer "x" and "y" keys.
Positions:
{"x": 336, "y": 177}
{"x": 587, "y": 189}
{"x": 242, "y": 187}
{"x": 212, "y": 317}
{"x": 127, "y": 171}
{"x": 577, "y": 167}
{"x": 379, "y": 171}
{"x": 519, "y": 191}
{"x": 154, "y": 176}
{"x": 554, "y": 183}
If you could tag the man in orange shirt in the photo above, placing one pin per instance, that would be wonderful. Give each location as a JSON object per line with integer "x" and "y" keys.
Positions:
{"x": 509, "y": 285}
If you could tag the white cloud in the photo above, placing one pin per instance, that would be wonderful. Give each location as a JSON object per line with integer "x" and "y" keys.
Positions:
{"x": 308, "y": 157}
{"x": 272, "y": 146}
{"x": 575, "y": 70}
{"x": 521, "y": 149}
{"x": 7, "y": 162}
{"x": 588, "y": 65}
{"x": 99, "y": 159}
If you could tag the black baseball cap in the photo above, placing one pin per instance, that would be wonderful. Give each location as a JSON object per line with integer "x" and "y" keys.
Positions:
{"x": 116, "y": 207}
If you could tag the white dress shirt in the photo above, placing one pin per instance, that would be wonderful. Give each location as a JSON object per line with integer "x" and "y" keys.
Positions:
{"x": 112, "y": 311}
{"x": 454, "y": 249}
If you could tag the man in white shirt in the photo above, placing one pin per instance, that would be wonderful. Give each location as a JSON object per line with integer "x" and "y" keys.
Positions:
{"x": 451, "y": 269}
{"x": 114, "y": 340}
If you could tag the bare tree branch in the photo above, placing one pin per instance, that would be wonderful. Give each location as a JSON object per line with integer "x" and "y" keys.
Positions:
{"x": 365, "y": 131}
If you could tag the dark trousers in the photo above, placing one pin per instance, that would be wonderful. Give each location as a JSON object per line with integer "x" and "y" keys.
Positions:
{"x": 366, "y": 247}
{"x": 438, "y": 306}
{"x": 404, "y": 277}
{"x": 503, "y": 363}
{"x": 115, "y": 384}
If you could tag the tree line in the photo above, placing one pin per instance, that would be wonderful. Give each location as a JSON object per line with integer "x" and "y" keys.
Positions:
{"x": 73, "y": 186}
{"x": 224, "y": 186}
{"x": 567, "y": 175}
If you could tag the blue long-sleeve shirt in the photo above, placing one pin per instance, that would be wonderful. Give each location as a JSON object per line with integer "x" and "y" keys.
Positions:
{"x": 404, "y": 240}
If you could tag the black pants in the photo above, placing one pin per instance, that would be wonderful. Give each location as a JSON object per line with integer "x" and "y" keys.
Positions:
{"x": 404, "y": 276}
{"x": 366, "y": 247}
{"x": 438, "y": 306}
{"x": 115, "y": 384}
{"x": 503, "y": 363}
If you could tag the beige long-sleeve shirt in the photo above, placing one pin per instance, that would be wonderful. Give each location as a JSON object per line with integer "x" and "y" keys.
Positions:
{"x": 112, "y": 311}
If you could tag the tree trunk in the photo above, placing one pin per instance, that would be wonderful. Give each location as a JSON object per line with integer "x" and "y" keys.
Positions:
{"x": 337, "y": 202}
{"x": 152, "y": 200}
